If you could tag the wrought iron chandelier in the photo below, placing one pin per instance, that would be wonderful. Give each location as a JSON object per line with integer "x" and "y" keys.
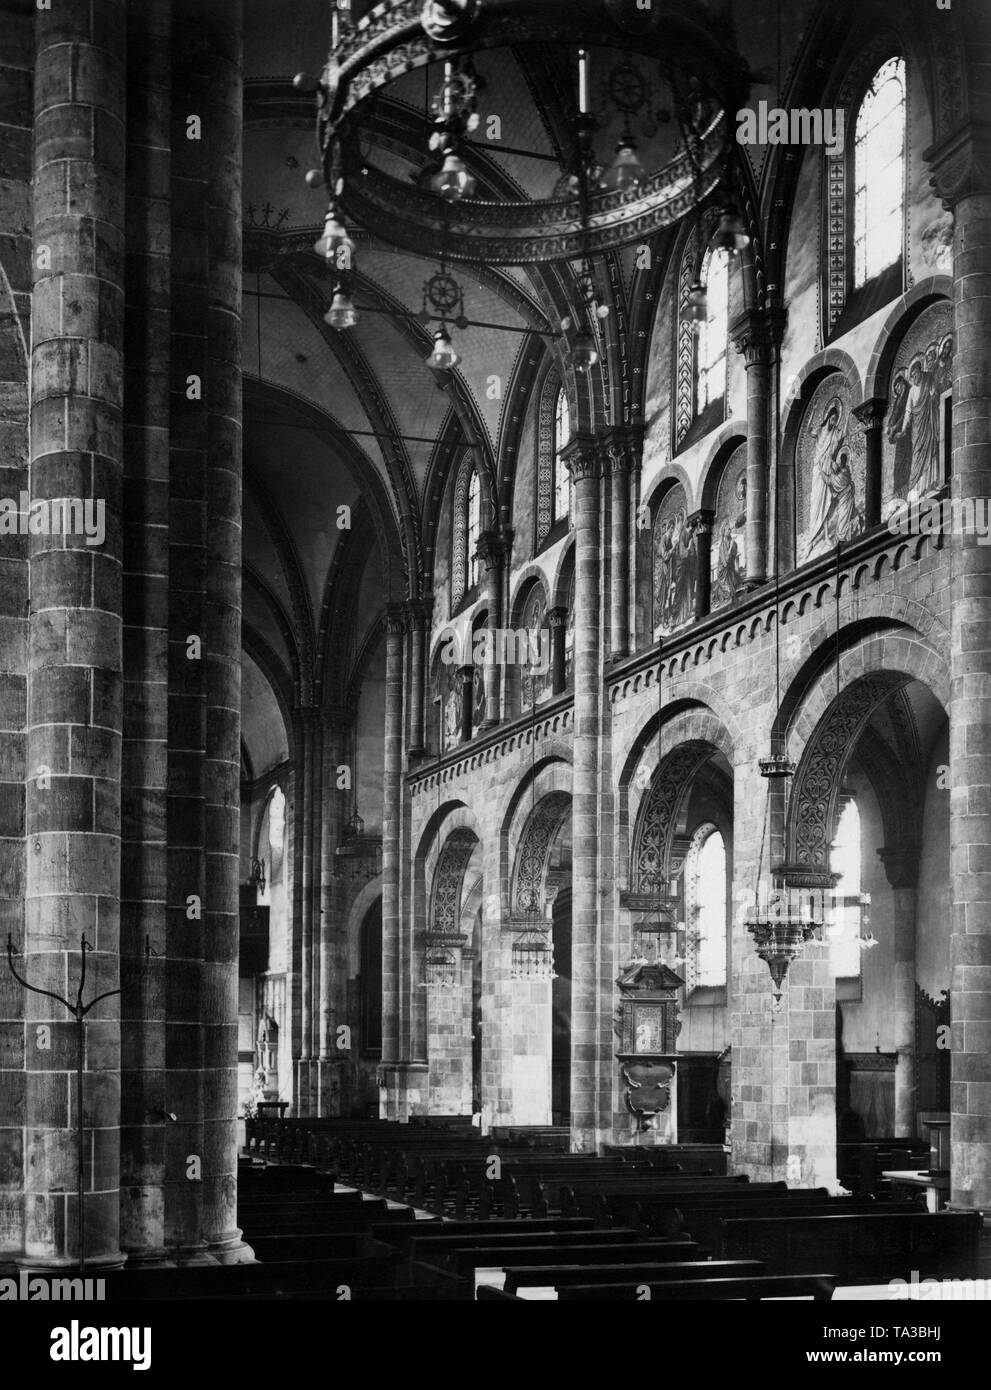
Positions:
{"x": 532, "y": 955}
{"x": 657, "y": 170}
{"x": 780, "y": 921}
{"x": 359, "y": 856}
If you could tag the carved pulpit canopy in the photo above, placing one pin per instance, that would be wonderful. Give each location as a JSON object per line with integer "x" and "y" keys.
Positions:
{"x": 648, "y": 1012}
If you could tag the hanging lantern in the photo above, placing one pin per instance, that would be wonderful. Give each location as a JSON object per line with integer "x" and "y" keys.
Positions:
{"x": 342, "y": 313}
{"x": 335, "y": 245}
{"x": 453, "y": 181}
{"x": 780, "y": 926}
{"x": 654, "y": 928}
{"x": 626, "y": 170}
{"x": 443, "y": 357}
{"x": 696, "y": 306}
{"x": 776, "y": 765}
{"x": 532, "y": 956}
{"x": 584, "y": 353}
{"x": 731, "y": 235}
{"x": 440, "y": 967}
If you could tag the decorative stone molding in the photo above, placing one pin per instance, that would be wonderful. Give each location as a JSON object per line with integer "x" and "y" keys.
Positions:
{"x": 961, "y": 163}
{"x": 583, "y": 457}
{"x": 491, "y": 549}
{"x": 871, "y": 413}
{"x": 901, "y": 865}
{"x": 753, "y": 334}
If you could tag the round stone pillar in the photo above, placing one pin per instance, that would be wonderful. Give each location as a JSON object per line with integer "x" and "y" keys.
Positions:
{"x": 962, "y": 178}
{"x": 902, "y": 868}
{"x": 701, "y": 521}
{"x": 871, "y": 416}
{"x": 305, "y": 952}
{"x": 222, "y": 124}
{"x": 74, "y": 634}
{"x": 391, "y": 1071}
{"x": 491, "y": 552}
{"x": 751, "y": 336}
{"x": 333, "y": 1093}
{"x": 419, "y": 618}
{"x": 144, "y": 776}
{"x": 591, "y": 1000}
{"x": 620, "y": 454}
{"x": 557, "y": 619}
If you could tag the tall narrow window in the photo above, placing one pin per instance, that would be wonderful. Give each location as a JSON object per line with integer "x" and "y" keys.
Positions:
{"x": 710, "y": 376}
{"x": 845, "y": 860}
{"x": 705, "y": 909}
{"x": 879, "y": 174}
{"x": 473, "y": 528}
{"x": 562, "y": 477}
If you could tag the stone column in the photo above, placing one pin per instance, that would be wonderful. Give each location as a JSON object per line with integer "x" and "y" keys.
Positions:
{"x": 16, "y": 64}
{"x": 222, "y": 122}
{"x": 902, "y": 868}
{"x": 702, "y": 521}
{"x": 146, "y": 632}
{"x": 305, "y": 958}
{"x": 750, "y": 334}
{"x": 491, "y": 552}
{"x": 557, "y": 619}
{"x": 419, "y": 618}
{"x": 74, "y": 635}
{"x": 391, "y": 1071}
{"x": 591, "y": 1006}
{"x": 871, "y": 417}
{"x": 333, "y": 1095}
{"x": 962, "y": 178}
{"x": 181, "y": 967}
{"x": 466, "y": 675}
{"x": 620, "y": 456}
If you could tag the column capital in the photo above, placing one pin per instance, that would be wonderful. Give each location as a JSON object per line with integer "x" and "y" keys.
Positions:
{"x": 622, "y": 451}
{"x": 418, "y": 612}
{"x": 395, "y": 619}
{"x": 557, "y": 617}
{"x": 582, "y": 457}
{"x": 961, "y": 163}
{"x": 337, "y": 716}
{"x": 467, "y": 673}
{"x": 871, "y": 413}
{"x": 901, "y": 864}
{"x": 491, "y": 549}
{"x": 702, "y": 519}
{"x": 754, "y": 332}
{"x": 305, "y": 721}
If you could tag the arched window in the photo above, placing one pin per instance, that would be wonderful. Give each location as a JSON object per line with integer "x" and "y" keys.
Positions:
{"x": 879, "y": 174}
{"x": 705, "y": 910}
{"x": 465, "y": 529}
{"x": 845, "y": 861}
{"x": 710, "y": 352}
{"x": 562, "y": 477}
{"x": 474, "y": 527}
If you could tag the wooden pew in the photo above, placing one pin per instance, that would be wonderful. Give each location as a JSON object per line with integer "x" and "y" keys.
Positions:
{"x": 562, "y": 1275}
{"x": 690, "y": 1158}
{"x": 442, "y": 1249}
{"x": 701, "y": 1220}
{"x": 402, "y": 1233}
{"x": 816, "y": 1286}
{"x": 466, "y": 1261}
{"x": 863, "y": 1248}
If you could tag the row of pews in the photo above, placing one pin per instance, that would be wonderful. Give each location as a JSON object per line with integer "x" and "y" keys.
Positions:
{"x": 543, "y": 1223}
{"x": 540, "y": 1222}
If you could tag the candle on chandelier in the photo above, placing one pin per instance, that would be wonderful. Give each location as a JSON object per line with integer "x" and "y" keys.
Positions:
{"x": 583, "y": 81}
